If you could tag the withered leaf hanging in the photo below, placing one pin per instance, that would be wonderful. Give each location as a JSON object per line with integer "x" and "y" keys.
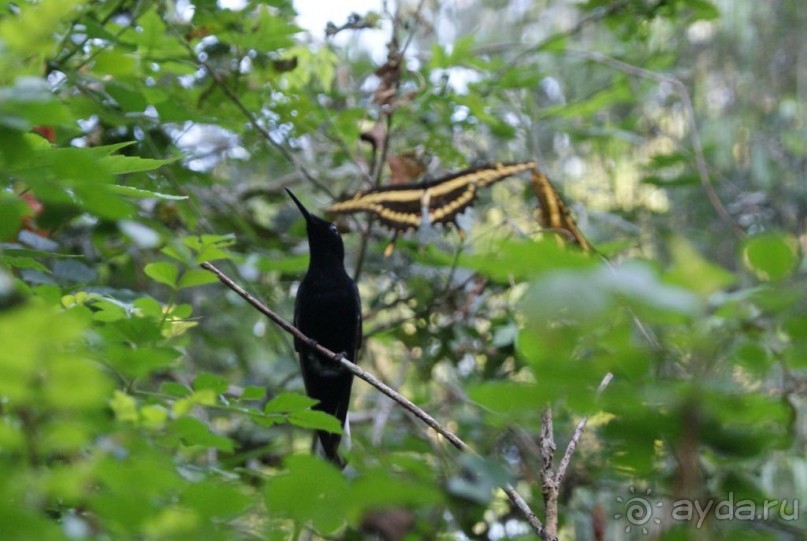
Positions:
{"x": 435, "y": 202}
{"x": 555, "y": 215}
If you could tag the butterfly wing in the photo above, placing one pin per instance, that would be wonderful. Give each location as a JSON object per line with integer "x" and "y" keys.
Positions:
{"x": 437, "y": 202}
{"x": 555, "y": 215}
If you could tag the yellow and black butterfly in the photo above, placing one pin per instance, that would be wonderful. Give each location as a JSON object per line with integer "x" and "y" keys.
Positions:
{"x": 440, "y": 201}
{"x": 437, "y": 201}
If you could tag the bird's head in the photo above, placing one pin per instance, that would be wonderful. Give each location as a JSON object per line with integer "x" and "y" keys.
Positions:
{"x": 324, "y": 240}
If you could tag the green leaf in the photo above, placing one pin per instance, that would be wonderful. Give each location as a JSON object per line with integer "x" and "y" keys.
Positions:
{"x": 209, "y": 247}
{"x": 175, "y": 389}
{"x": 210, "y": 498}
{"x": 141, "y": 361}
{"x": 76, "y": 167}
{"x": 514, "y": 260}
{"x": 24, "y": 263}
{"x": 101, "y": 203}
{"x": 108, "y": 310}
{"x": 196, "y": 277}
{"x": 153, "y": 416}
{"x": 310, "y": 491}
{"x": 23, "y": 252}
{"x": 703, "y": 9}
{"x": 124, "y": 407}
{"x": 149, "y": 307}
{"x": 163, "y": 272}
{"x": 771, "y": 256}
{"x": 461, "y": 49}
{"x": 556, "y": 43}
{"x": 752, "y": 356}
{"x": 380, "y": 488}
{"x": 119, "y": 165}
{"x": 252, "y": 392}
{"x": 267, "y": 419}
{"x": 315, "y": 419}
{"x": 12, "y": 210}
{"x": 685, "y": 179}
{"x": 438, "y": 57}
{"x": 154, "y": 39}
{"x": 202, "y": 397}
{"x": 30, "y": 31}
{"x": 183, "y": 311}
{"x": 288, "y": 403}
{"x": 693, "y": 272}
{"x": 215, "y": 383}
{"x": 192, "y": 431}
{"x": 139, "y": 193}
{"x": 115, "y": 63}
{"x": 618, "y": 92}
{"x": 269, "y": 32}
{"x": 505, "y": 397}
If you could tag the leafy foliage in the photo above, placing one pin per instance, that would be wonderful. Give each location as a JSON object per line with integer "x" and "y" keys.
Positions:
{"x": 139, "y": 399}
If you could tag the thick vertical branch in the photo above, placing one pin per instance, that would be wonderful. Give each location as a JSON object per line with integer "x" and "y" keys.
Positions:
{"x": 549, "y": 487}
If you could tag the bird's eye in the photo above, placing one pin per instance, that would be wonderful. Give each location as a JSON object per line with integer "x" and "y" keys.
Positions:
{"x": 333, "y": 228}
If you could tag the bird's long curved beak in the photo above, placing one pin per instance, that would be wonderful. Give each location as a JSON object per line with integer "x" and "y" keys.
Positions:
{"x": 300, "y": 206}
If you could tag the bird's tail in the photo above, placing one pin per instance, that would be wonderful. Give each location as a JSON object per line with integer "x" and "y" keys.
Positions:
{"x": 328, "y": 444}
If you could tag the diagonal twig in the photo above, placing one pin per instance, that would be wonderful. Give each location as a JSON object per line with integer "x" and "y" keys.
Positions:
{"x": 578, "y": 432}
{"x": 515, "y": 497}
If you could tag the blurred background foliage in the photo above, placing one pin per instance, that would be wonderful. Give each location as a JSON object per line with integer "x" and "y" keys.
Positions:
{"x": 139, "y": 400}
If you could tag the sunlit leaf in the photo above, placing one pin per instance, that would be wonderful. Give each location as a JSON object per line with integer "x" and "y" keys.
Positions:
{"x": 192, "y": 431}
{"x": 253, "y": 393}
{"x": 215, "y": 383}
{"x": 317, "y": 420}
{"x": 124, "y": 407}
{"x": 288, "y": 402}
{"x": 162, "y": 272}
{"x": 196, "y": 277}
{"x": 771, "y": 256}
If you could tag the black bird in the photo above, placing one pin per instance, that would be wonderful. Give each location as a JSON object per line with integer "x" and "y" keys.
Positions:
{"x": 327, "y": 310}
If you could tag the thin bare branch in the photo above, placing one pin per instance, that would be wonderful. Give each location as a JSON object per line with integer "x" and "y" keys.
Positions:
{"x": 578, "y": 432}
